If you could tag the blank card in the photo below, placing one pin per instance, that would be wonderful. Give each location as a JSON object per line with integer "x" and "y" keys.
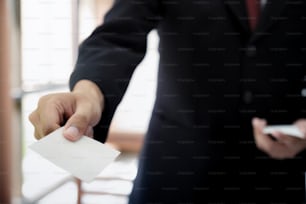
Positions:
{"x": 84, "y": 159}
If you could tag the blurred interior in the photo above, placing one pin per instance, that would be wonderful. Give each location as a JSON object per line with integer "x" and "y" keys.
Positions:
{"x": 39, "y": 41}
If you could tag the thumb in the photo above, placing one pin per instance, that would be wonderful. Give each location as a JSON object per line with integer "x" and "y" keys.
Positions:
{"x": 75, "y": 127}
{"x": 259, "y": 123}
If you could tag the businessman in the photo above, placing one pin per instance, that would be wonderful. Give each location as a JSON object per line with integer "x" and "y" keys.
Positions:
{"x": 227, "y": 69}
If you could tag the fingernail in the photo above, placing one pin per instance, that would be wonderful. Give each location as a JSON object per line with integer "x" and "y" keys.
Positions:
{"x": 72, "y": 132}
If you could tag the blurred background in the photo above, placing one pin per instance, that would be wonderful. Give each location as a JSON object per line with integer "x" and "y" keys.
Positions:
{"x": 38, "y": 44}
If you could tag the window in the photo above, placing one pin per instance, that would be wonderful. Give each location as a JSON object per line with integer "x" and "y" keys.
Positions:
{"x": 51, "y": 32}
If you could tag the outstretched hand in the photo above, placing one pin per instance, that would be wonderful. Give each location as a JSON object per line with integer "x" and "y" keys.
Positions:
{"x": 79, "y": 111}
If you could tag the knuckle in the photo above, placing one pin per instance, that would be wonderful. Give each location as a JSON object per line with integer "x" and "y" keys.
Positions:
{"x": 48, "y": 99}
{"x": 32, "y": 117}
{"x": 44, "y": 99}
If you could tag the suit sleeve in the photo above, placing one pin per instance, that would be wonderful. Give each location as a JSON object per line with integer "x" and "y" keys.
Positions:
{"x": 110, "y": 54}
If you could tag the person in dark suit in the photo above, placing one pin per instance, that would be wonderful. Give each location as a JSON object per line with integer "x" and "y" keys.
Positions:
{"x": 223, "y": 76}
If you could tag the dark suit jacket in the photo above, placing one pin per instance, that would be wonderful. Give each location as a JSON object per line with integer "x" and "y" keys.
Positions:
{"x": 214, "y": 76}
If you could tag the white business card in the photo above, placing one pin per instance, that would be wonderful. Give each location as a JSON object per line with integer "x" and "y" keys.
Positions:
{"x": 290, "y": 130}
{"x": 84, "y": 159}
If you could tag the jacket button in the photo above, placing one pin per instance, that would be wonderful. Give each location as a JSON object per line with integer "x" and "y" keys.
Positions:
{"x": 247, "y": 97}
{"x": 251, "y": 51}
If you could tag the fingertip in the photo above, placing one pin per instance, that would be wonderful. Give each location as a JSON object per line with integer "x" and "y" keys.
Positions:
{"x": 256, "y": 121}
{"x": 259, "y": 122}
{"x": 72, "y": 133}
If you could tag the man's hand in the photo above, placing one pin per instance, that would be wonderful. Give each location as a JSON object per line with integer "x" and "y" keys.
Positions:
{"x": 79, "y": 110}
{"x": 280, "y": 146}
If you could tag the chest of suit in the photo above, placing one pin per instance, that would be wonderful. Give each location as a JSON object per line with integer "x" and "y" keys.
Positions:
{"x": 210, "y": 57}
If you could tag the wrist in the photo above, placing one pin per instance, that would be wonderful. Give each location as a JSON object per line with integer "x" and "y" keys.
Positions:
{"x": 90, "y": 90}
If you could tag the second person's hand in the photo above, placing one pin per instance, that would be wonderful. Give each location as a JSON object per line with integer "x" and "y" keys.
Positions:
{"x": 79, "y": 111}
{"x": 282, "y": 146}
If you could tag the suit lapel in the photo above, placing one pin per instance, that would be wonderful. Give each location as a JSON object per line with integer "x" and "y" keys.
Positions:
{"x": 269, "y": 16}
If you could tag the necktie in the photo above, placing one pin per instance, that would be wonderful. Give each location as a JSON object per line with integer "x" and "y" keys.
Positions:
{"x": 253, "y": 9}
